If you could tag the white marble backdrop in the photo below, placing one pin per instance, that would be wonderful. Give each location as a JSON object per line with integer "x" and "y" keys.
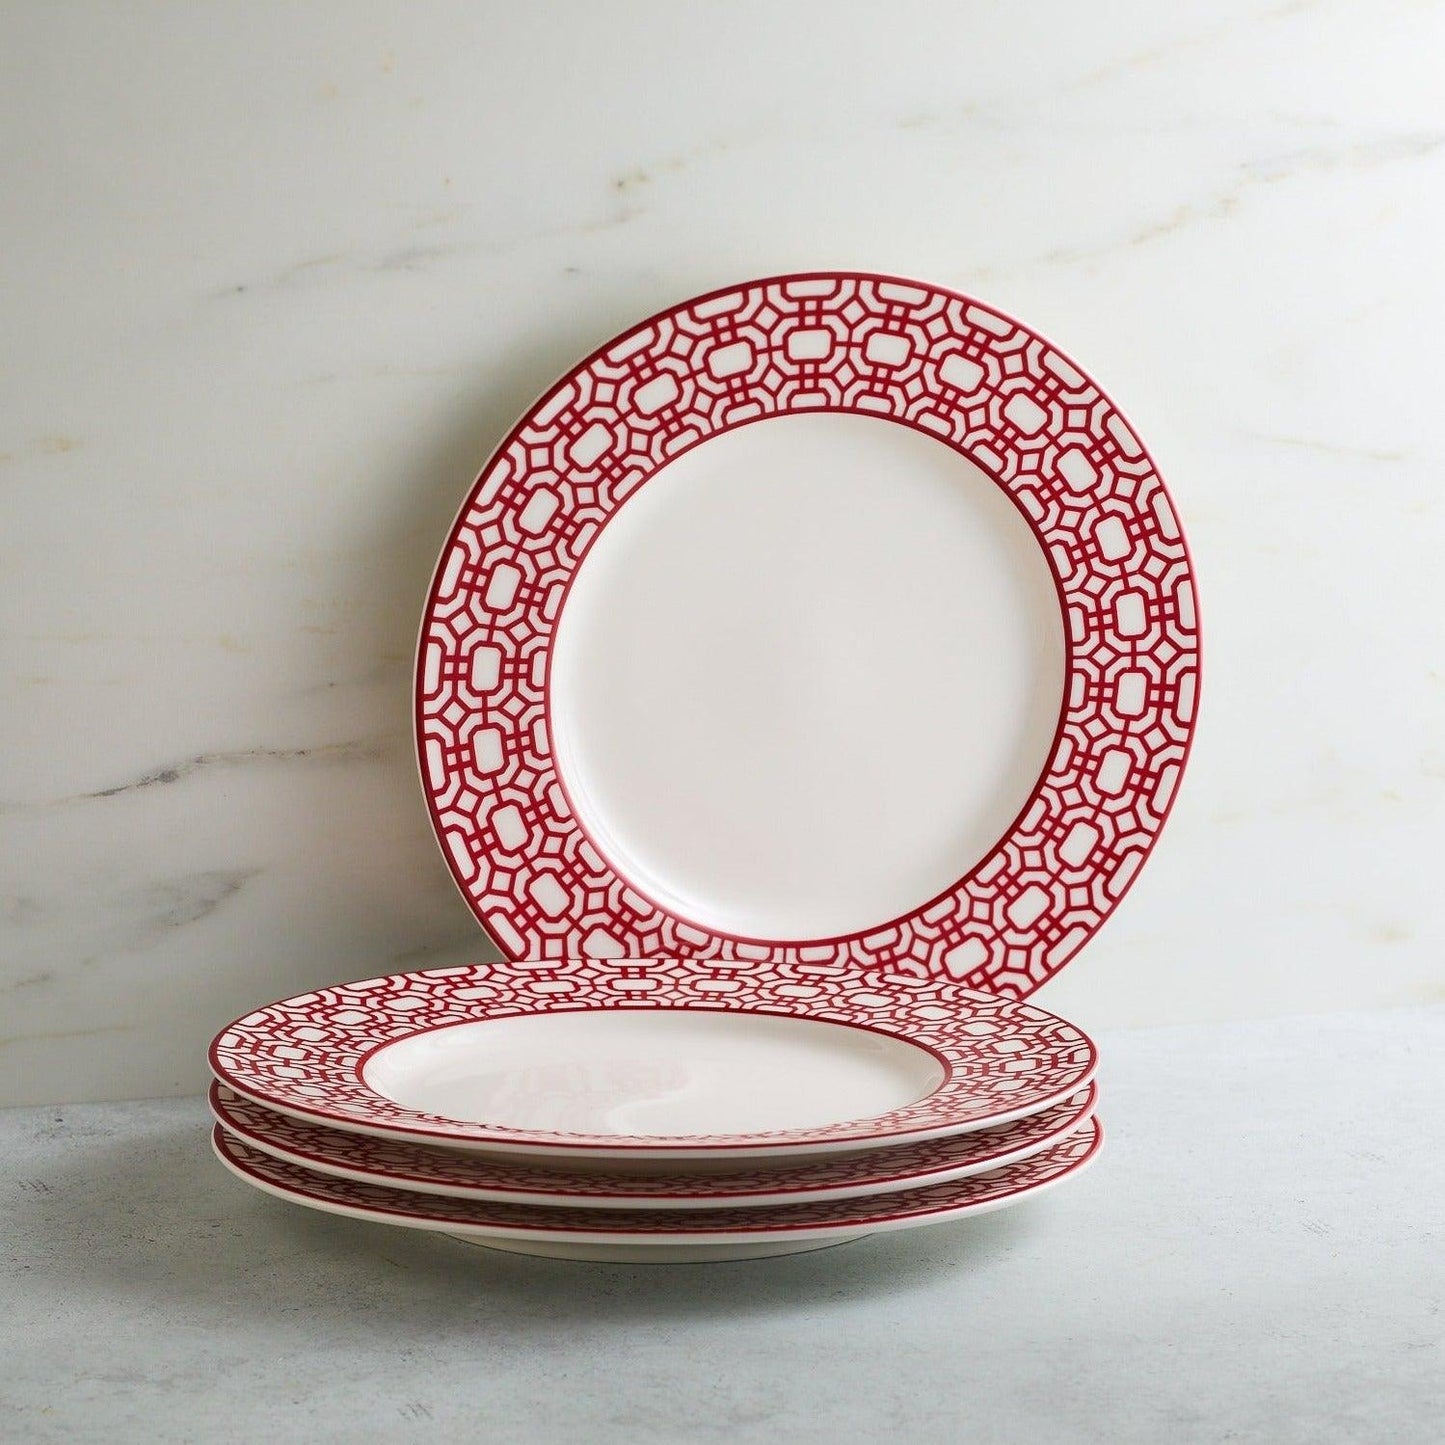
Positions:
{"x": 274, "y": 279}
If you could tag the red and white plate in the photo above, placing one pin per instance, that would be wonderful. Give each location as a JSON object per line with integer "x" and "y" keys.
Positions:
{"x": 662, "y": 1235}
{"x": 654, "y": 1059}
{"x": 427, "y": 1169}
{"x": 830, "y": 621}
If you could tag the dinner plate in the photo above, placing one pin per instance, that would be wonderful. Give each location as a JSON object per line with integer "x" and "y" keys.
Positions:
{"x": 654, "y": 1058}
{"x": 662, "y": 1235}
{"x": 427, "y": 1169}
{"x": 826, "y": 619}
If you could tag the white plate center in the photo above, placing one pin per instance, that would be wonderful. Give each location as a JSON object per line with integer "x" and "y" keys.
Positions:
{"x": 653, "y": 1072}
{"x": 807, "y": 676}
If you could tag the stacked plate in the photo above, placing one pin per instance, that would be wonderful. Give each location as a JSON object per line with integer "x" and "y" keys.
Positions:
{"x": 529, "y": 1107}
{"x": 802, "y": 684}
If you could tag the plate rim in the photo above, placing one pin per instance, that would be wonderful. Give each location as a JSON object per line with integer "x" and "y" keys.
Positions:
{"x": 878, "y": 1183}
{"x": 876, "y": 1224}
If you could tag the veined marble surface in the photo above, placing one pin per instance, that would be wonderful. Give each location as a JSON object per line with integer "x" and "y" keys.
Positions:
{"x": 276, "y": 278}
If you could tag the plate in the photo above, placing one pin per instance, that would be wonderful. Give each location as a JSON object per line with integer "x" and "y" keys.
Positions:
{"x": 654, "y": 1058}
{"x": 826, "y": 619}
{"x": 426, "y": 1169}
{"x": 663, "y": 1234}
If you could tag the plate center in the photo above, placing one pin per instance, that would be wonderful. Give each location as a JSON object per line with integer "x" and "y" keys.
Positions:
{"x": 653, "y": 1072}
{"x": 806, "y": 677}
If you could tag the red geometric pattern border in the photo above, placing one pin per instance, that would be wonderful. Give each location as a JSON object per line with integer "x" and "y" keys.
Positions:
{"x": 399, "y": 1164}
{"x": 401, "y": 1206}
{"x": 1001, "y": 1059}
{"x": 914, "y": 354}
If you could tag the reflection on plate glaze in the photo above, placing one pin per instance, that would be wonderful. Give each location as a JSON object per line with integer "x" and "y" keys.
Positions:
{"x": 579, "y": 1096}
{"x": 650, "y": 1072}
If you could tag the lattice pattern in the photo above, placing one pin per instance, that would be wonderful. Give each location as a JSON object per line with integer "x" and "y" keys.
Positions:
{"x": 400, "y": 1206}
{"x": 1002, "y": 1059}
{"x": 916, "y": 355}
{"x": 423, "y": 1166}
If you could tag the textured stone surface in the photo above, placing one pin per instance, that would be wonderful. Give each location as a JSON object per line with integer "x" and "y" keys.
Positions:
{"x": 1257, "y": 1257}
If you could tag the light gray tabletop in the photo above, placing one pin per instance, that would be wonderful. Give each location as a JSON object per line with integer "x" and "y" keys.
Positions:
{"x": 1257, "y": 1256}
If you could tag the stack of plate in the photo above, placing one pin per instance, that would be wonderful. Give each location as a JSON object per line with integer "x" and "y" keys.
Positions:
{"x": 521, "y": 1106}
{"x": 802, "y": 684}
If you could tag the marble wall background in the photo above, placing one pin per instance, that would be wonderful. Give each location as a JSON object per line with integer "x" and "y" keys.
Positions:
{"x": 276, "y": 278}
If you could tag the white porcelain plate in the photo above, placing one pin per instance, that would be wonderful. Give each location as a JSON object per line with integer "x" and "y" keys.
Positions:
{"x": 654, "y": 1058}
{"x": 828, "y": 619}
{"x": 662, "y": 1235}
{"x": 427, "y": 1169}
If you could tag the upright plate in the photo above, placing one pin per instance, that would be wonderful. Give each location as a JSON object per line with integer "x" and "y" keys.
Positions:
{"x": 427, "y": 1169}
{"x": 663, "y": 1234}
{"x": 830, "y": 619}
{"x": 653, "y": 1058}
